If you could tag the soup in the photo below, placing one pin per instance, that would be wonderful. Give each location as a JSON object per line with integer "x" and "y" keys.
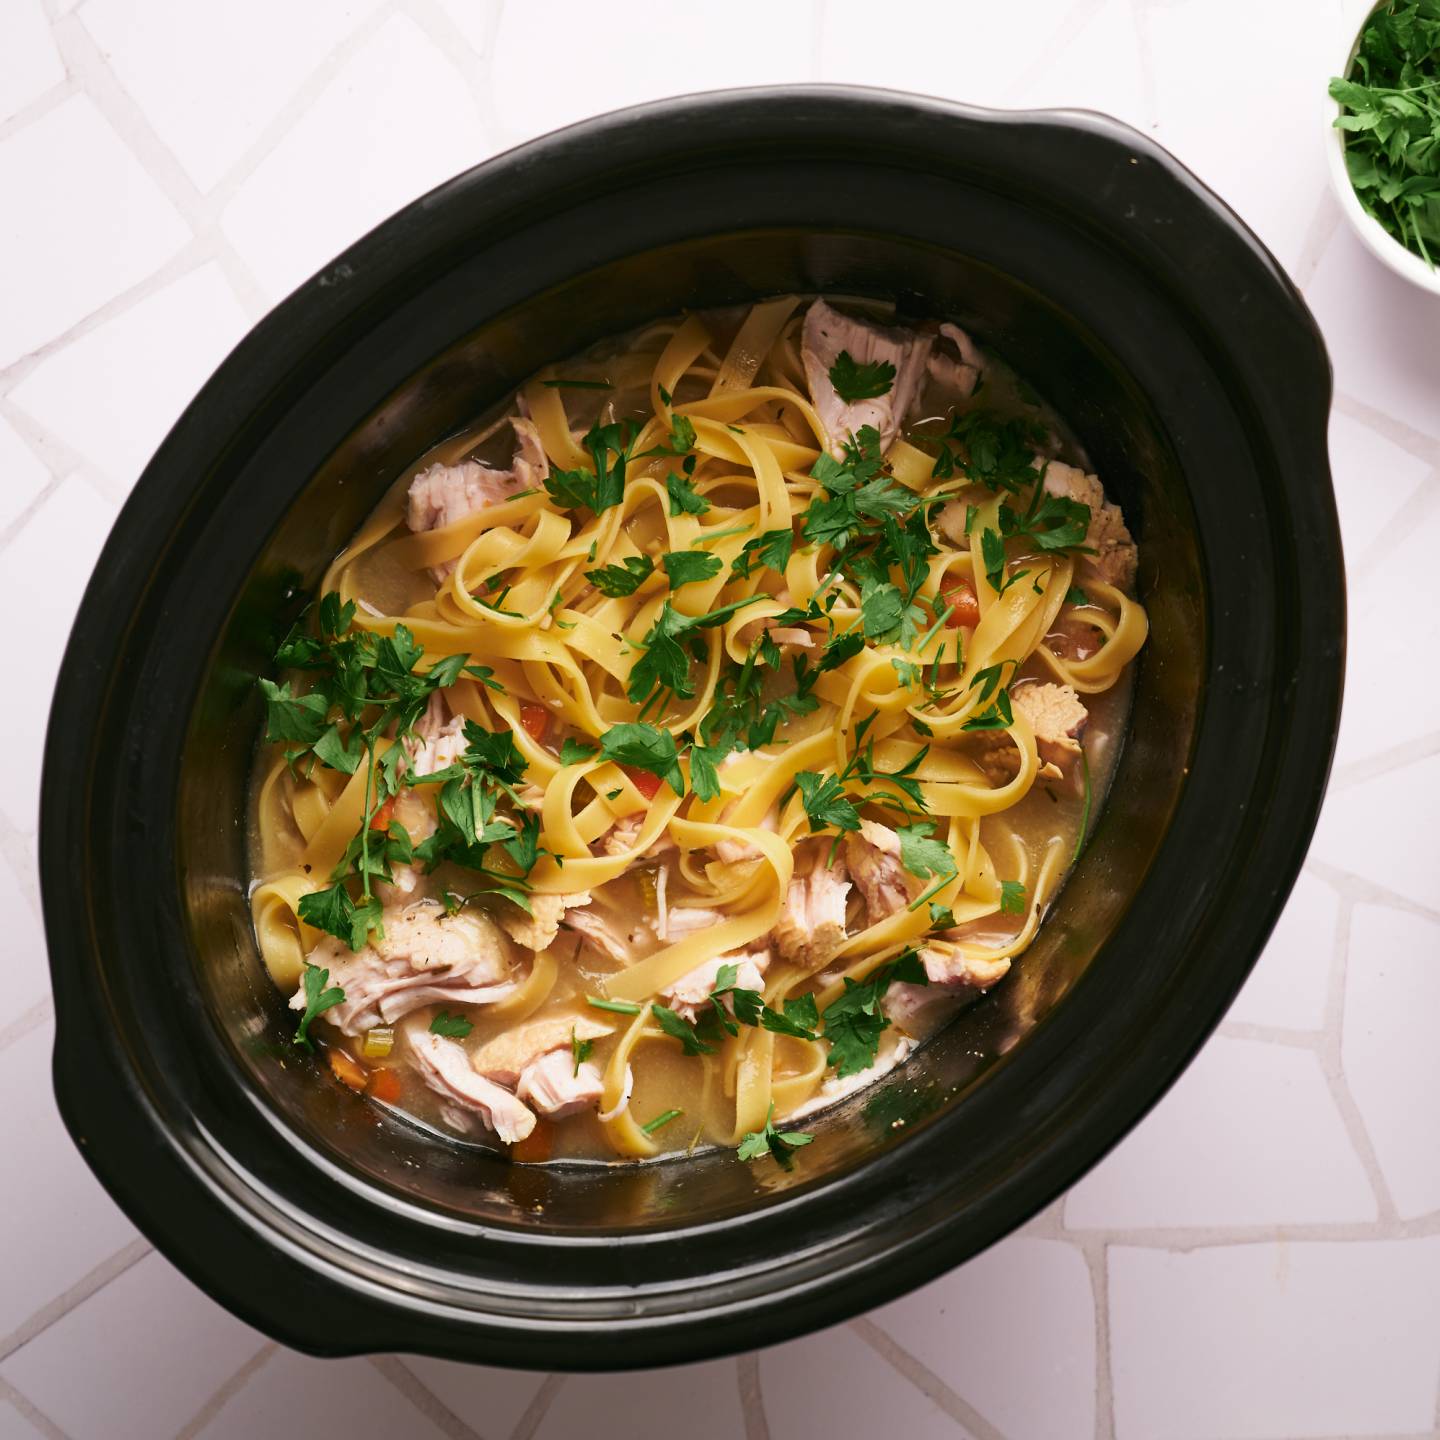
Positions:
{"x": 682, "y": 744}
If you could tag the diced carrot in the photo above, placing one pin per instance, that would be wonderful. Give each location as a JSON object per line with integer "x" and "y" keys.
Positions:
{"x": 966, "y": 611}
{"x": 535, "y": 719}
{"x": 646, "y": 783}
{"x": 536, "y": 1145}
{"x": 385, "y": 1085}
{"x": 380, "y": 820}
{"x": 347, "y": 1070}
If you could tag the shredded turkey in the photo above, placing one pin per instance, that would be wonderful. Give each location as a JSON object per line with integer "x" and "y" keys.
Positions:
{"x": 1058, "y": 719}
{"x": 555, "y": 1086}
{"x": 424, "y": 958}
{"x": 445, "y": 1067}
{"x": 1115, "y": 554}
{"x": 509, "y": 1053}
{"x": 958, "y": 373}
{"x": 599, "y": 932}
{"x": 958, "y": 970}
{"x": 873, "y": 858}
{"x": 811, "y": 927}
{"x": 441, "y": 495}
{"x": 537, "y": 930}
{"x": 825, "y": 335}
{"x": 687, "y": 996}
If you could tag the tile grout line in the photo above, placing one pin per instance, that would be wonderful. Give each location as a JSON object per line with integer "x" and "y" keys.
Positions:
{"x": 752, "y": 1396}
{"x": 1332, "y": 1064}
{"x": 538, "y": 1408}
{"x": 1411, "y": 752}
{"x": 1356, "y": 887}
{"x": 1097, "y": 1260}
{"x": 1398, "y": 432}
{"x": 22, "y": 1025}
{"x": 925, "y": 1380}
{"x": 32, "y": 1412}
{"x": 475, "y": 67}
{"x": 41, "y": 105}
{"x": 226, "y": 1392}
{"x": 82, "y": 1290}
{"x": 1323, "y": 226}
{"x": 429, "y": 1404}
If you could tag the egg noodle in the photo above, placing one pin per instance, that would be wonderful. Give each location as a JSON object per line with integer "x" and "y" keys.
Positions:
{"x": 555, "y": 640}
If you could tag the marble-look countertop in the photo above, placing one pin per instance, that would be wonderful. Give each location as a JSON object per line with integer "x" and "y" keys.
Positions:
{"x": 1262, "y": 1256}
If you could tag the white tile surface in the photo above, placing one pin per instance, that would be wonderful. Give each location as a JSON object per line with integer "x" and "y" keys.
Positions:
{"x": 1289, "y": 986}
{"x": 114, "y": 412}
{"x": 394, "y": 123}
{"x": 1392, "y": 993}
{"x": 285, "y": 131}
{"x": 24, "y": 476}
{"x": 1206, "y": 1155}
{"x": 29, "y": 63}
{"x": 59, "y": 1224}
{"x": 664, "y": 55}
{"x": 645, "y": 1406}
{"x": 491, "y": 1401}
{"x": 836, "y": 1384}
{"x": 1013, "y": 1333}
{"x": 26, "y": 973}
{"x": 1282, "y": 1340}
{"x": 294, "y": 1395}
{"x": 77, "y": 206}
{"x": 70, "y": 526}
{"x": 103, "y": 1342}
{"x": 211, "y": 77}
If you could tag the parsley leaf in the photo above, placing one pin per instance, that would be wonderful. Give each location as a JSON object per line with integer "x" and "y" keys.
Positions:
{"x": 922, "y": 856}
{"x": 1012, "y": 897}
{"x": 456, "y": 1027}
{"x": 854, "y": 1021}
{"x": 335, "y": 912}
{"x": 771, "y": 548}
{"x": 998, "y": 454}
{"x": 579, "y": 1049}
{"x": 688, "y": 567}
{"x": 645, "y": 747}
{"x": 575, "y": 752}
{"x": 684, "y": 498}
{"x": 317, "y": 1000}
{"x": 881, "y": 610}
{"x": 780, "y": 1143}
{"x": 681, "y": 1029}
{"x": 622, "y": 579}
{"x": 853, "y": 381}
{"x": 825, "y": 802}
{"x": 604, "y": 486}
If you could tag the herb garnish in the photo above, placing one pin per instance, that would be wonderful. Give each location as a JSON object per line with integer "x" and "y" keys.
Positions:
{"x": 455, "y": 1027}
{"x": 317, "y": 1000}
{"x": 1391, "y": 102}
{"x": 780, "y": 1143}
{"x": 854, "y": 381}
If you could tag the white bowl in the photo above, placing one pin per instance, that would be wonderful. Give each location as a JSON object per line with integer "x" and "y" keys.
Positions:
{"x": 1375, "y": 236}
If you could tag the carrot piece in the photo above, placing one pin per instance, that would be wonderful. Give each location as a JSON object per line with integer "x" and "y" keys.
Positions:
{"x": 966, "y": 612}
{"x": 535, "y": 719}
{"x": 646, "y": 783}
{"x": 385, "y": 1085}
{"x": 380, "y": 820}
{"x": 347, "y": 1070}
{"x": 535, "y": 1146}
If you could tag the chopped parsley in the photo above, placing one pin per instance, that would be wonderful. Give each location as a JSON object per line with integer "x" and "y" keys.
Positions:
{"x": 645, "y": 747}
{"x": 622, "y": 579}
{"x": 780, "y": 1143}
{"x": 855, "y": 381}
{"x": 660, "y": 1121}
{"x": 579, "y": 1049}
{"x": 318, "y": 999}
{"x": 454, "y": 1027}
{"x": 1012, "y": 897}
{"x": 854, "y": 1021}
{"x": 689, "y": 567}
{"x": 617, "y": 1007}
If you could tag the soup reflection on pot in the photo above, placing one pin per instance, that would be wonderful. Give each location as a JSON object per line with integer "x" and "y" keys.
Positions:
{"x": 681, "y": 744}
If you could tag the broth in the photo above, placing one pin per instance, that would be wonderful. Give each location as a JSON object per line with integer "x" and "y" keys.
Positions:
{"x": 953, "y": 864}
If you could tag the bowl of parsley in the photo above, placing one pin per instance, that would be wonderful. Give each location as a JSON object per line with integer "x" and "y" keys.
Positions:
{"x": 1383, "y": 137}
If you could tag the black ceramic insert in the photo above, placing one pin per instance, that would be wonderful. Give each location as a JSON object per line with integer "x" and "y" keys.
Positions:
{"x": 1113, "y": 281}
